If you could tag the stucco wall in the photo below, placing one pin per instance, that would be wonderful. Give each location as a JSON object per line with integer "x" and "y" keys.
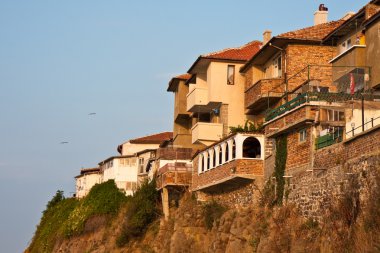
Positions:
{"x": 373, "y": 52}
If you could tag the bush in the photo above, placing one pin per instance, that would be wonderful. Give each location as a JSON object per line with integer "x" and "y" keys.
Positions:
{"x": 103, "y": 199}
{"x": 50, "y": 228}
{"x": 142, "y": 210}
{"x": 212, "y": 211}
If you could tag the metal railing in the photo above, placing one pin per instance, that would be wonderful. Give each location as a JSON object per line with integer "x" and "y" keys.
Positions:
{"x": 329, "y": 139}
{"x": 362, "y": 127}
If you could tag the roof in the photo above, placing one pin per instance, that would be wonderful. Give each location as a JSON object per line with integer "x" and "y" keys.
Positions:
{"x": 308, "y": 35}
{"x": 316, "y": 32}
{"x": 173, "y": 84}
{"x": 88, "y": 171}
{"x": 240, "y": 54}
{"x": 365, "y": 14}
{"x": 153, "y": 139}
{"x": 115, "y": 157}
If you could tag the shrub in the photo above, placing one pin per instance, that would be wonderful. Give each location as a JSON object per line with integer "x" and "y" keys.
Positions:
{"x": 50, "y": 228}
{"x": 103, "y": 199}
{"x": 142, "y": 210}
{"x": 212, "y": 211}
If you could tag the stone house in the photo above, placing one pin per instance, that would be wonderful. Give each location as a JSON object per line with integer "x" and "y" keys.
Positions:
{"x": 86, "y": 180}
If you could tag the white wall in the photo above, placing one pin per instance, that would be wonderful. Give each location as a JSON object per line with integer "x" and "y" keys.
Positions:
{"x": 85, "y": 182}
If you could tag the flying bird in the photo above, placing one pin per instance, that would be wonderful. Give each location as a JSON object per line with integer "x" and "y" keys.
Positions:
{"x": 64, "y": 142}
{"x": 92, "y": 113}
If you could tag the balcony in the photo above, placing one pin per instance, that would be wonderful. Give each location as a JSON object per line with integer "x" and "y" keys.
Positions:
{"x": 206, "y": 133}
{"x": 174, "y": 174}
{"x": 263, "y": 93}
{"x": 197, "y": 99}
{"x": 230, "y": 175}
{"x": 354, "y": 56}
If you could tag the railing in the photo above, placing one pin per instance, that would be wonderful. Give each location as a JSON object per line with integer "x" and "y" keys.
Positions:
{"x": 371, "y": 122}
{"x": 329, "y": 139}
{"x": 302, "y": 98}
{"x": 299, "y": 100}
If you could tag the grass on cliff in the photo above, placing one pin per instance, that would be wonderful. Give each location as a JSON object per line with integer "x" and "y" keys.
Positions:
{"x": 212, "y": 211}
{"x": 65, "y": 217}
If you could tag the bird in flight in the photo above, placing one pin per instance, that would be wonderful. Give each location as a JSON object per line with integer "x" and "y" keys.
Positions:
{"x": 64, "y": 142}
{"x": 92, "y": 113}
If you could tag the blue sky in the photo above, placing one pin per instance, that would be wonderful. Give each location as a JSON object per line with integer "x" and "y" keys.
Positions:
{"x": 61, "y": 60}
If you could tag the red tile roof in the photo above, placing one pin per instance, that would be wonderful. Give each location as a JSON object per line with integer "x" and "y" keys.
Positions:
{"x": 317, "y": 32}
{"x": 183, "y": 77}
{"x": 153, "y": 139}
{"x": 242, "y": 53}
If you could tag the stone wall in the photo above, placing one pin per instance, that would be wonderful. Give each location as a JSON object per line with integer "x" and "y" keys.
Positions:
{"x": 242, "y": 197}
{"x": 334, "y": 166}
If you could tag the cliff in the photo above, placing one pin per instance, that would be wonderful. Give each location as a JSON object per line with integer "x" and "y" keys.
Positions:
{"x": 349, "y": 224}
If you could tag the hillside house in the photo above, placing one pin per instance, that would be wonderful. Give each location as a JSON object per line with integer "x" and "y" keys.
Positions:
{"x": 86, "y": 180}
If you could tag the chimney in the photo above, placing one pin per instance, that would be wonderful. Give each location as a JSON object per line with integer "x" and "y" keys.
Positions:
{"x": 267, "y": 35}
{"x": 320, "y": 16}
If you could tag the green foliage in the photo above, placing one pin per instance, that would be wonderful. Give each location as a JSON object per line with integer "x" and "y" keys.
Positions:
{"x": 212, "y": 211}
{"x": 268, "y": 195}
{"x": 103, "y": 199}
{"x": 50, "y": 228}
{"x": 58, "y": 197}
{"x": 249, "y": 126}
{"x": 279, "y": 169}
{"x": 142, "y": 210}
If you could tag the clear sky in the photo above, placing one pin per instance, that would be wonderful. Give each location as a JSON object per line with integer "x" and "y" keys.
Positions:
{"x": 61, "y": 60}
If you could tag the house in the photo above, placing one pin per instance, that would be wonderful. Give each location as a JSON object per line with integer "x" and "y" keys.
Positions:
{"x": 86, "y": 180}
{"x": 130, "y": 167}
{"x": 288, "y": 83}
{"x": 121, "y": 169}
{"x": 215, "y": 91}
{"x": 182, "y": 122}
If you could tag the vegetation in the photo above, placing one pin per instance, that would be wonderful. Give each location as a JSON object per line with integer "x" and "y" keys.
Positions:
{"x": 50, "y": 228}
{"x": 142, "y": 210}
{"x": 65, "y": 217}
{"x": 249, "y": 126}
{"x": 212, "y": 211}
{"x": 279, "y": 169}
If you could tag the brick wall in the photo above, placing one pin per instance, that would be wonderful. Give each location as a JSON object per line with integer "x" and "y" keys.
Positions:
{"x": 261, "y": 89}
{"x": 299, "y": 153}
{"x": 297, "y": 115}
{"x": 172, "y": 153}
{"x": 364, "y": 143}
{"x": 329, "y": 157}
{"x": 307, "y": 55}
{"x": 241, "y": 166}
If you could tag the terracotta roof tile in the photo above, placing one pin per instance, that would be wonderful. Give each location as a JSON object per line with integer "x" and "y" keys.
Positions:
{"x": 242, "y": 53}
{"x": 153, "y": 139}
{"x": 317, "y": 32}
{"x": 183, "y": 77}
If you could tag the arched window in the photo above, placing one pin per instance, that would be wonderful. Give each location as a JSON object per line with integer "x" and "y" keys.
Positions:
{"x": 213, "y": 158}
{"x": 220, "y": 155}
{"x": 208, "y": 162}
{"x": 233, "y": 149}
{"x": 251, "y": 148}
{"x": 202, "y": 163}
{"x": 227, "y": 153}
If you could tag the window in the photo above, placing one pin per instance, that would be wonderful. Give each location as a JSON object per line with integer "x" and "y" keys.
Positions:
{"x": 277, "y": 68}
{"x": 333, "y": 115}
{"x": 303, "y": 135}
{"x": 231, "y": 74}
{"x": 220, "y": 155}
{"x": 141, "y": 165}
